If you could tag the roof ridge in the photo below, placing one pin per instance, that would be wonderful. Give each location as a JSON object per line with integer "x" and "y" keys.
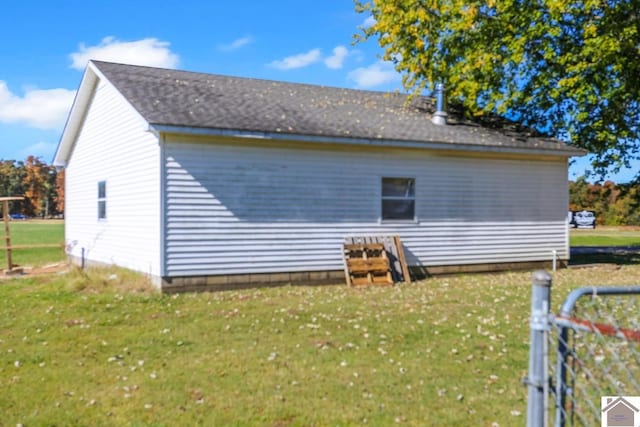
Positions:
{"x": 258, "y": 79}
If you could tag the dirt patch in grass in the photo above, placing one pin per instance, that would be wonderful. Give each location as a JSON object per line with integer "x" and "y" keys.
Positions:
{"x": 54, "y": 268}
{"x": 29, "y": 271}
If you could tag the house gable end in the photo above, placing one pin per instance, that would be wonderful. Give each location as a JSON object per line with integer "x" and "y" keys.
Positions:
{"x": 79, "y": 110}
{"x": 112, "y": 182}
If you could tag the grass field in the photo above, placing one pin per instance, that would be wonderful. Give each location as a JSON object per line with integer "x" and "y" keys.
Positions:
{"x": 83, "y": 350}
{"x": 606, "y": 236}
{"x": 100, "y": 348}
{"x": 34, "y": 232}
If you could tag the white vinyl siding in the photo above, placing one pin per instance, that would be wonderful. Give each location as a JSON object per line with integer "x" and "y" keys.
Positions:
{"x": 248, "y": 208}
{"x": 114, "y": 147}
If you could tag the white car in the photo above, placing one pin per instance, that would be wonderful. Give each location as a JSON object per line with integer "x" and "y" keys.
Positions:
{"x": 584, "y": 219}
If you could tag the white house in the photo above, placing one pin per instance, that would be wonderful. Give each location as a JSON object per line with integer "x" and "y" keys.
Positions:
{"x": 204, "y": 180}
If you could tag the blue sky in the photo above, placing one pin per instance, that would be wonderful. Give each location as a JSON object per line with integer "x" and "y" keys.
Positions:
{"x": 44, "y": 47}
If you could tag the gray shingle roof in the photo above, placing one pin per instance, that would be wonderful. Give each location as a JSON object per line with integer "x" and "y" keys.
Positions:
{"x": 197, "y": 100}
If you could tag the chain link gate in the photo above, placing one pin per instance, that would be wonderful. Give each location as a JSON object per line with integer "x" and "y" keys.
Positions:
{"x": 589, "y": 350}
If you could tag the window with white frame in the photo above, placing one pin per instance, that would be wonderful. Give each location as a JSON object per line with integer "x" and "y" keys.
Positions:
{"x": 102, "y": 200}
{"x": 398, "y": 199}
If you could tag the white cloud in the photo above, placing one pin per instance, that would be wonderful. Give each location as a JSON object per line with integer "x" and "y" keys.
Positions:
{"x": 336, "y": 60}
{"x": 151, "y": 52}
{"x": 236, "y": 44}
{"x": 369, "y": 22}
{"x": 298, "y": 61}
{"x": 43, "y": 109}
{"x": 375, "y": 75}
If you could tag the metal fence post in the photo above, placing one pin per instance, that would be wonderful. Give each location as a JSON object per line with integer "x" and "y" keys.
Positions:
{"x": 561, "y": 376}
{"x": 537, "y": 380}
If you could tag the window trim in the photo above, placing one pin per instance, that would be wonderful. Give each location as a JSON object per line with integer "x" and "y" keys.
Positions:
{"x": 413, "y": 198}
{"x": 102, "y": 200}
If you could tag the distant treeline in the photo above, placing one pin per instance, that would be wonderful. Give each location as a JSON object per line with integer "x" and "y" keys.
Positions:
{"x": 614, "y": 204}
{"x": 42, "y": 186}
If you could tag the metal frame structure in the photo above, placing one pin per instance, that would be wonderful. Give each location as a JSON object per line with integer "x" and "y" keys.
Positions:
{"x": 543, "y": 322}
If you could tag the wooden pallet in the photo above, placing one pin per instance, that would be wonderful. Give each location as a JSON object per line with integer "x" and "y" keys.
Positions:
{"x": 395, "y": 254}
{"x": 367, "y": 264}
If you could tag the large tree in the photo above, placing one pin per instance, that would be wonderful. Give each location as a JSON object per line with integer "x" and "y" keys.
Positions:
{"x": 59, "y": 191}
{"x": 11, "y": 183}
{"x": 39, "y": 186}
{"x": 565, "y": 67}
{"x": 11, "y": 178}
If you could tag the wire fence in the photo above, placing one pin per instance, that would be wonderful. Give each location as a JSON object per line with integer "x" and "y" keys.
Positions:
{"x": 589, "y": 350}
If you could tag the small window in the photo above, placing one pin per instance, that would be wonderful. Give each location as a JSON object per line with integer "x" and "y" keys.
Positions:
{"x": 102, "y": 200}
{"x": 399, "y": 199}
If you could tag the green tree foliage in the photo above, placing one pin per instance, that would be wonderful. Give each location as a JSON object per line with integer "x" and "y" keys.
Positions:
{"x": 34, "y": 180}
{"x": 11, "y": 182}
{"x": 568, "y": 67}
{"x": 59, "y": 191}
{"x": 614, "y": 204}
{"x": 11, "y": 177}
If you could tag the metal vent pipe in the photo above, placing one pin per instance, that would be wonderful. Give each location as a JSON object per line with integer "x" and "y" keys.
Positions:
{"x": 440, "y": 116}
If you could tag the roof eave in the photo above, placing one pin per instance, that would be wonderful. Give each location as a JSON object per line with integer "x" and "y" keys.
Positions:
{"x": 76, "y": 115}
{"x": 431, "y": 145}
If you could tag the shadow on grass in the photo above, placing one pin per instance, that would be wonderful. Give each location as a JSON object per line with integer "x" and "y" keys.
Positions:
{"x": 618, "y": 258}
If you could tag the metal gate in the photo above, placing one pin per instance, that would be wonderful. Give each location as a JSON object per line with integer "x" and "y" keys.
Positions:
{"x": 589, "y": 350}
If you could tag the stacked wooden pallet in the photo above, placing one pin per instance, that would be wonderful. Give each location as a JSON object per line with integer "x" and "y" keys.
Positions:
{"x": 374, "y": 260}
{"x": 367, "y": 264}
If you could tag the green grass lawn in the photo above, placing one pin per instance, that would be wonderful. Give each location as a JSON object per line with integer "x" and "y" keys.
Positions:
{"x": 34, "y": 232}
{"x": 90, "y": 348}
{"x": 610, "y": 236}
{"x": 82, "y": 350}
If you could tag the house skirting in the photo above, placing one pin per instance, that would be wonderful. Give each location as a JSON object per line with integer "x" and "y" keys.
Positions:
{"x": 243, "y": 281}
{"x": 424, "y": 272}
{"x": 334, "y": 277}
